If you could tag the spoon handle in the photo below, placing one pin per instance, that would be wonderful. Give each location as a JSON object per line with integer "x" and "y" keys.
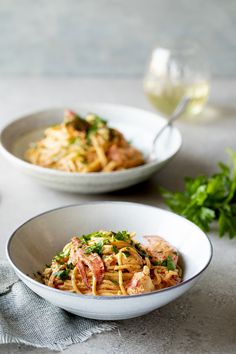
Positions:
{"x": 175, "y": 115}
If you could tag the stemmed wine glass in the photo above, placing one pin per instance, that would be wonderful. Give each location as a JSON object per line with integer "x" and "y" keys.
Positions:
{"x": 176, "y": 71}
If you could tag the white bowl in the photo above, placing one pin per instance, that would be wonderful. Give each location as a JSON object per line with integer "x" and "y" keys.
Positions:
{"x": 138, "y": 125}
{"x": 34, "y": 244}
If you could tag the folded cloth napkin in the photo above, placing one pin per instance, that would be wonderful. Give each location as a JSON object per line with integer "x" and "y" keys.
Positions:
{"x": 27, "y": 318}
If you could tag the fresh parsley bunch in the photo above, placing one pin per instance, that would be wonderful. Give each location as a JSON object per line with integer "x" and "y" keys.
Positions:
{"x": 206, "y": 199}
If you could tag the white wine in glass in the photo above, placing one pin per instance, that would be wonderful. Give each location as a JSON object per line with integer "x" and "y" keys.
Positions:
{"x": 173, "y": 74}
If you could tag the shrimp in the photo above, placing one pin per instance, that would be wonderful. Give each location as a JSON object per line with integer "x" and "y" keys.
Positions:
{"x": 126, "y": 156}
{"x": 160, "y": 249}
{"x": 140, "y": 283}
{"x": 93, "y": 261}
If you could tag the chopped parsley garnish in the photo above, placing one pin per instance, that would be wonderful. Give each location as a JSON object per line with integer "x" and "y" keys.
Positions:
{"x": 140, "y": 250}
{"x": 126, "y": 253}
{"x": 155, "y": 263}
{"x": 95, "y": 123}
{"x": 169, "y": 263}
{"x": 122, "y": 236}
{"x": 98, "y": 121}
{"x": 75, "y": 140}
{"x": 115, "y": 249}
{"x": 106, "y": 241}
{"x": 96, "y": 248}
{"x": 78, "y": 123}
{"x": 62, "y": 274}
{"x": 61, "y": 255}
{"x": 88, "y": 237}
{"x": 91, "y": 131}
{"x": 70, "y": 265}
{"x": 58, "y": 257}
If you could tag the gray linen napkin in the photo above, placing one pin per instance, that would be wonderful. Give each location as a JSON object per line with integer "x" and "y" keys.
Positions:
{"x": 27, "y": 318}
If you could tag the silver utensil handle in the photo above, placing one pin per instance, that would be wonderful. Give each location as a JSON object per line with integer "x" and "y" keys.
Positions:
{"x": 178, "y": 111}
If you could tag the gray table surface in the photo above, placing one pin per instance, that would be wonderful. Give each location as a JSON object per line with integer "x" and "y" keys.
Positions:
{"x": 203, "y": 320}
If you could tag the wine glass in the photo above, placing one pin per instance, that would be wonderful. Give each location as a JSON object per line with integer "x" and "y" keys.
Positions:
{"x": 176, "y": 71}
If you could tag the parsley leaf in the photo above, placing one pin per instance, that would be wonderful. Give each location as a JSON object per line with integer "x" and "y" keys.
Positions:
{"x": 59, "y": 257}
{"x": 74, "y": 140}
{"x": 122, "y": 236}
{"x": 126, "y": 253}
{"x": 70, "y": 265}
{"x": 96, "y": 123}
{"x": 62, "y": 274}
{"x": 170, "y": 263}
{"x": 96, "y": 248}
{"x": 140, "y": 250}
{"x": 92, "y": 130}
{"x": 115, "y": 249}
{"x": 206, "y": 199}
{"x": 227, "y": 221}
{"x": 156, "y": 263}
{"x": 88, "y": 237}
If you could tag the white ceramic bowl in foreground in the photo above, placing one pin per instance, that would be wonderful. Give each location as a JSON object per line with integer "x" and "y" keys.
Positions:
{"x": 137, "y": 125}
{"x": 34, "y": 244}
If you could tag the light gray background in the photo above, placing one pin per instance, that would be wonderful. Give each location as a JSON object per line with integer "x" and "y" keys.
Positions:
{"x": 109, "y": 37}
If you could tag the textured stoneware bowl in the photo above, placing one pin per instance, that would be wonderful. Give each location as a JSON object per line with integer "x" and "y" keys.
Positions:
{"x": 137, "y": 125}
{"x": 34, "y": 244}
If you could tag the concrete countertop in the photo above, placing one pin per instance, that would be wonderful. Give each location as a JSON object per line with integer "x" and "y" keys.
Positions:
{"x": 202, "y": 321}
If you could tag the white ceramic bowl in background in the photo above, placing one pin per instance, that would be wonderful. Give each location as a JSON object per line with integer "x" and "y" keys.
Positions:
{"x": 34, "y": 244}
{"x": 137, "y": 125}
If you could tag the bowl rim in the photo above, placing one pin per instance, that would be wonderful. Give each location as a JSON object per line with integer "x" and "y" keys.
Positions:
{"x": 44, "y": 170}
{"x": 95, "y": 297}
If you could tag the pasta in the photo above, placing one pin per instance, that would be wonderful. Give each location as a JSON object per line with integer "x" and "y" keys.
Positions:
{"x": 107, "y": 263}
{"x": 83, "y": 145}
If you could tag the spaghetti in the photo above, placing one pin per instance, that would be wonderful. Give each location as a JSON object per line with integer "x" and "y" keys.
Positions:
{"x": 112, "y": 263}
{"x": 83, "y": 145}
